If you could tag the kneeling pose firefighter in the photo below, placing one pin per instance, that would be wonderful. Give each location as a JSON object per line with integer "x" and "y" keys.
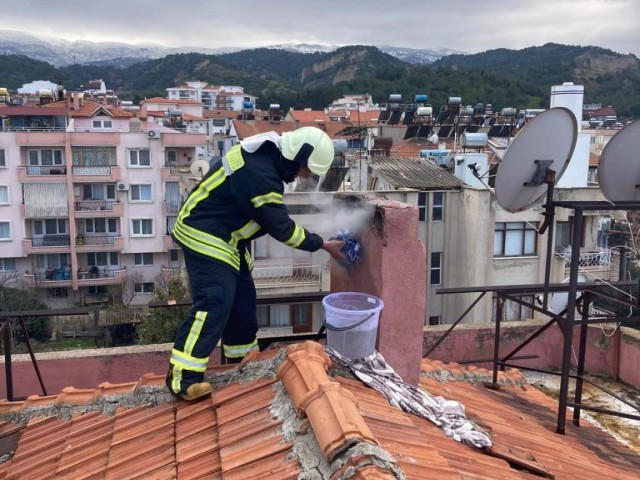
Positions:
{"x": 240, "y": 199}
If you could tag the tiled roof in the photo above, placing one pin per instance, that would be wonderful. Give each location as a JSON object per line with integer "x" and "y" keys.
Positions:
{"x": 414, "y": 173}
{"x": 90, "y": 109}
{"x": 20, "y": 111}
{"x": 220, "y": 114}
{"x": 289, "y": 415}
{"x": 247, "y": 129}
{"x": 173, "y": 102}
{"x": 308, "y": 115}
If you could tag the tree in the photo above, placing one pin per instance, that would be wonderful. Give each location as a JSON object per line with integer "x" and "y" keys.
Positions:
{"x": 129, "y": 287}
{"x": 161, "y": 324}
{"x": 14, "y": 299}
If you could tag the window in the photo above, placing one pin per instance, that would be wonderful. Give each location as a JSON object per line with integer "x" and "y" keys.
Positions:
{"x": 45, "y": 157}
{"x": 103, "y": 259}
{"x": 434, "y": 320}
{"x": 7, "y": 264}
{"x": 437, "y": 207}
{"x": 173, "y": 255}
{"x": 102, "y": 124}
{"x": 422, "y": 206}
{"x": 100, "y": 225}
{"x": 3, "y": 159}
{"x": 141, "y": 259}
{"x": 564, "y": 233}
{"x": 140, "y": 193}
{"x": 139, "y": 158}
{"x": 514, "y": 239}
{"x": 273, "y": 316}
{"x": 94, "y": 156}
{"x": 146, "y": 287}
{"x": 436, "y": 269}
{"x": 514, "y": 311}
{"x": 142, "y": 227}
{"x": 171, "y": 221}
{"x": 5, "y": 230}
{"x": 172, "y": 157}
{"x": 51, "y": 260}
{"x": 97, "y": 191}
{"x": 4, "y": 195}
{"x": 61, "y": 292}
{"x": 50, "y": 226}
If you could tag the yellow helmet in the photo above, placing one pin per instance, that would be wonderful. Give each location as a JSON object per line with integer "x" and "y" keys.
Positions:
{"x": 320, "y": 144}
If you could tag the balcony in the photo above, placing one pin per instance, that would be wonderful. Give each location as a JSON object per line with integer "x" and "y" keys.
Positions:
{"x": 98, "y": 208}
{"x": 47, "y": 244}
{"x": 38, "y": 136}
{"x": 96, "y": 173}
{"x": 43, "y": 173}
{"x": 171, "y": 272}
{"x": 602, "y": 262}
{"x": 171, "y": 208}
{"x": 50, "y": 278}
{"x": 184, "y": 139}
{"x": 94, "y": 275}
{"x": 173, "y": 172}
{"x": 90, "y": 243}
{"x": 307, "y": 277}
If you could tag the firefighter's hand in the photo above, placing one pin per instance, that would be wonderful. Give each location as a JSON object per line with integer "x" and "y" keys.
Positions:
{"x": 333, "y": 247}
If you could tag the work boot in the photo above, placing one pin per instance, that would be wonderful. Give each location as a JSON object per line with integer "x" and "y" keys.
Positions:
{"x": 196, "y": 391}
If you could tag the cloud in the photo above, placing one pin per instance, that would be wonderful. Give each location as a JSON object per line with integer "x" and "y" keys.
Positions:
{"x": 457, "y": 24}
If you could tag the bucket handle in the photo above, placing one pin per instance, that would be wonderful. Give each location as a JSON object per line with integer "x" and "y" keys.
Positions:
{"x": 328, "y": 326}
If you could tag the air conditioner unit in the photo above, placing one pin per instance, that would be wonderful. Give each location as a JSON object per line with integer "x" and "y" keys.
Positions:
{"x": 122, "y": 187}
{"x": 152, "y": 134}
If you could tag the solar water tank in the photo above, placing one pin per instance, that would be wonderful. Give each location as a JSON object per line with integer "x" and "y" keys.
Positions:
{"x": 455, "y": 100}
{"x": 424, "y": 111}
{"x": 474, "y": 140}
{"x": 420, "y": 98}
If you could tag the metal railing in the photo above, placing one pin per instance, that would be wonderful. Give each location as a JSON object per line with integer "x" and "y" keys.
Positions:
{"x": 177, "y": 169}
{"x": 283, "y": 276}
{"x": 51, "y": 241}
{"x": 93, "y": 271}
{"x": 94, "y": 205}
{"x": 13, "y": 128}
{"x": 97, "y": 240}
{"x": 92, "y": 169}
{"x": 594, "y": 258}
{"x": 46, "y": 170}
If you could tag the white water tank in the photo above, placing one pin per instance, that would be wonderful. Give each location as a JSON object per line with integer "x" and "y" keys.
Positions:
{"x": 569, "y": 96}
{"x": 474, "y": 140}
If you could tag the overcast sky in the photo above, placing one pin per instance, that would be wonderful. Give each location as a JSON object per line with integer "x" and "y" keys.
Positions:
{"x": 466, "y": 25}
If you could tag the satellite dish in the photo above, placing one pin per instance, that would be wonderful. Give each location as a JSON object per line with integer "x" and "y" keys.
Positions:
{"x": 560, "y": 300}
{"x": 545, "y": 143}
{"x": 199, "y": 169}
{"x": 619, "y": 166}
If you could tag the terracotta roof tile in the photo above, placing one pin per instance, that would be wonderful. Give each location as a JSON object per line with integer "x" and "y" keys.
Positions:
{"x": 249, "y": 429}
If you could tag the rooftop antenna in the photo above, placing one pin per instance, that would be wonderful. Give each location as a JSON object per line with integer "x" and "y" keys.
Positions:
{"x": 619, "y": 167}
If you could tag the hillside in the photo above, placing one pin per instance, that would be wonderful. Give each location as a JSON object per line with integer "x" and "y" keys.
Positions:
{"x": 502, "y": 77}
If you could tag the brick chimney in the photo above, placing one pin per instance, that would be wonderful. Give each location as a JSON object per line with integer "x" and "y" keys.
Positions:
{"x": 393, "y": 268}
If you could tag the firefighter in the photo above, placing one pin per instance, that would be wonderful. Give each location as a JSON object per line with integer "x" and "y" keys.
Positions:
{"x": 239, "y": 199}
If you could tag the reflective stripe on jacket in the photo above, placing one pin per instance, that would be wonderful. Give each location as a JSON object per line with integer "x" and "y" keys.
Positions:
{"x": 240, "y": 199}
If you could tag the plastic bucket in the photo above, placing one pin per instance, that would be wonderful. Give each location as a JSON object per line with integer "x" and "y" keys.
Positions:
{"x": 351, "y": 319}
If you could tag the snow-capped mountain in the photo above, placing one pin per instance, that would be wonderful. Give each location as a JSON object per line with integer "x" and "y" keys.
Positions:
{"x": 59, "y": 52}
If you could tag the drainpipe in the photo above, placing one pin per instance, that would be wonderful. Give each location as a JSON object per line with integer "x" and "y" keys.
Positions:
{"x": 617, "y": 340}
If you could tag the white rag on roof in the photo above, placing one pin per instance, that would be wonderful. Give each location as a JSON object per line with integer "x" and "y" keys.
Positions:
{"x": 449, "y": 415}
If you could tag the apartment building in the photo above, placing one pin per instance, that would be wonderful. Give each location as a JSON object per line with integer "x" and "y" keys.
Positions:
{"x": 88, "y": 195}
{"x": 212, "y": 97}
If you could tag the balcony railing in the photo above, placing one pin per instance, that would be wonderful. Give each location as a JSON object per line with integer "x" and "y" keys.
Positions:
{"x": 46, "y": 170}
{"x": 94, "y": 205}
{"x": 287, "y": 276}
{"x": 600, "y": 258}
{"x": 92, "y": 271}
{"x": 92, "y": 169}
{"x": 96, "y": 239}
{"x": 177, "y": 169}
{"x": 51, "y": 241}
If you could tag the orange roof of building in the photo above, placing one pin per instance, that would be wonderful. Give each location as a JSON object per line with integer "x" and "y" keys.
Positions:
{"x": 220, "y": 114}
{"x": 368, "y": 117}
{"x": 173, "y": 102}
{"x": 309, "y": 116}
{"x": 247, "y": 129}
{"x": 286, "y": 415}
{"x": 90, "y": 109}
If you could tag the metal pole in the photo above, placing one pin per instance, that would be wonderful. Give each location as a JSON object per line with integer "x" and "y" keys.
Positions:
{"x": 32, "y": 355}
{"x": 453, "y": 325}
{"x": 550, "y": 217}
{"x": 6, "y": 333}
{"x": 568, "y": 322}
{"x": 496, "y": 341}
{"x": 586, "y": 301}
